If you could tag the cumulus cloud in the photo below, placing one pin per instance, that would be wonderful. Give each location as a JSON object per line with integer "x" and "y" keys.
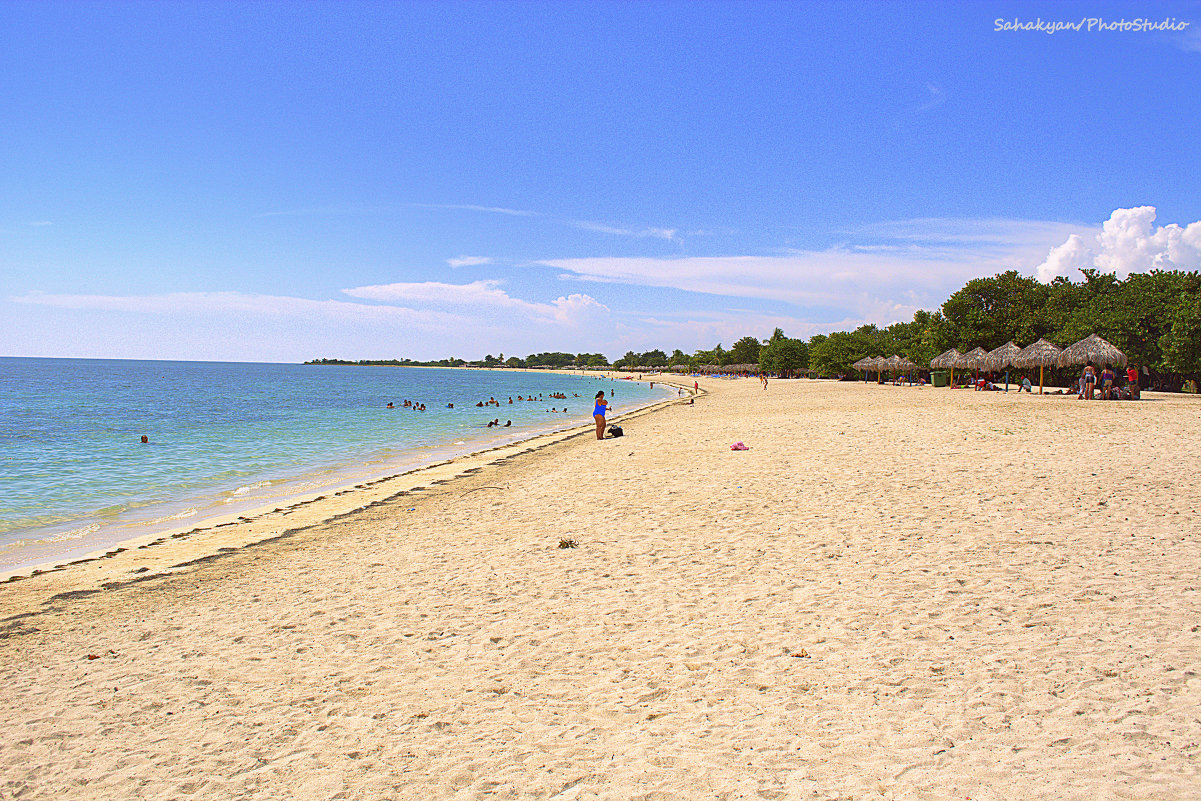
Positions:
{"x": 1064, "y": 259}
{"x": 1128, "y": 242}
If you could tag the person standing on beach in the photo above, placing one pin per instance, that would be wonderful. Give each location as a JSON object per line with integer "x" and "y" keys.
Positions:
{"x": 598, "y": 414}
{"x": 1090, "y": 380}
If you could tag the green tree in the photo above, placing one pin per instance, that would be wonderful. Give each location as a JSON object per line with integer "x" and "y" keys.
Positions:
{"x": 784, "y": 356}
{"x": 653, "y": 358}
{"x": 627, "y": 361}
{"x": 745, "y": 351}
{"x": 988, "y": 312}
{"x": 1181, "y": 344}
{"x": 834, "y": 354}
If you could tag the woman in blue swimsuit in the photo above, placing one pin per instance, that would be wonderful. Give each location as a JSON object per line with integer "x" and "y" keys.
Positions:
{"x": 598, "y": 414}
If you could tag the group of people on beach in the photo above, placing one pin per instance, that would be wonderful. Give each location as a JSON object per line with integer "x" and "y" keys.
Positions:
{"x": 1107, "y": 383}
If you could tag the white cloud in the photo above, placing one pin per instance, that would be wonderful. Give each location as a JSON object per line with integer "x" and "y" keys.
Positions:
{"x": 882, "y": 275}
{"x": 1064, "y": 259}
{"x": 217, "y": 303}
{"x": 936, "y": 98}
{"x": 668, "y": 234}
{"x": 571, "y": 309}
{"x": 1128, "y": 242}
{"x": 419, "y": 321}
{"x": 468, "y": 261}
{"x": 472, "y": 207}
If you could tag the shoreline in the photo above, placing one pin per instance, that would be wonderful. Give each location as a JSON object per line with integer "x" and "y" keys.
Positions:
{"x": 246, "y": 527}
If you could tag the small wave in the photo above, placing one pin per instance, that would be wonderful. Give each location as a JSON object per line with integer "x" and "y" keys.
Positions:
{"x": 177, "y": 516}
{"x": 61, "y": 536}
{"x": 251, "y": 487}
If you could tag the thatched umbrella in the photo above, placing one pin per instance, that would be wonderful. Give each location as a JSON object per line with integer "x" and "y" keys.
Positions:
{"x": 1000, "y": 358}
{"x": 908, "y": 367}
{"x": 863, "y": 365}
{"x": 950, "y": 359}
{"x": 1091, "y": 349}
{"x": 975, "y": 359}
{"x": 1041, "y": 353}
{"x": 892, "y": 364}
{"x": 875, "y": 364}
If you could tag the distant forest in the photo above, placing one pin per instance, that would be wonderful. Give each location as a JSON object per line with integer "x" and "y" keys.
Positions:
{"x": 1154, "y": 318}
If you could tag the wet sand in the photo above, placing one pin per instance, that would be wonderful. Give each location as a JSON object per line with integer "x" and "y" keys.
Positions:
{"x": 895, "y": 593}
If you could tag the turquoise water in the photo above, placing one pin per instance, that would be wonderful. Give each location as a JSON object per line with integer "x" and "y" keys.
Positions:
{"x": 228, "y": 436}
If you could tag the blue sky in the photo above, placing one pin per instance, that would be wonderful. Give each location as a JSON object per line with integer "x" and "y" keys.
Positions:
{"x": 279, "y": 181}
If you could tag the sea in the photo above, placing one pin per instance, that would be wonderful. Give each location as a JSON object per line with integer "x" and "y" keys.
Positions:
{"x": 224, "y": 437}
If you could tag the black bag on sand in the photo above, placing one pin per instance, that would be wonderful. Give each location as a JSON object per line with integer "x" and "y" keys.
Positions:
{"x": 615, "y": 431}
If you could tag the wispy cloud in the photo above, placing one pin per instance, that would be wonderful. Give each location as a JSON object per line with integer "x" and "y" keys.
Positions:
{"x": 472, "y": 207}
{"x": 1190, "y": 39}
{"x": 668, "y": 234}
{"x": 220, "y": 303}
{"x": 648, "y": 232}
{"x": 478, "y": 295}
{"x": 39, "y": 223}
{"x": 468, "y": 261}
{"x": 936, "y": 98}
{"x": 881, "y": 275}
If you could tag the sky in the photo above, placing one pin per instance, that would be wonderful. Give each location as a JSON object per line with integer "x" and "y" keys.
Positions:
{"x": 282, "y": 181}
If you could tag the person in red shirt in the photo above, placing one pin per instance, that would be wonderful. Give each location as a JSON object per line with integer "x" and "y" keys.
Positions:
{"x": 1132, "y": 381}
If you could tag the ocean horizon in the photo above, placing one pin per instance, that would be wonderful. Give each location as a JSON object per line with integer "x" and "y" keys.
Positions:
{"x": 225, "y": 437}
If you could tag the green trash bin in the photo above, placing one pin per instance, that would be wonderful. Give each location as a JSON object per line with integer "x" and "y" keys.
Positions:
{"x": 939, "y": 378}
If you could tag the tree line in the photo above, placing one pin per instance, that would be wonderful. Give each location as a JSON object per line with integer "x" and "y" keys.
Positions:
{"x": 1154, "y": 318}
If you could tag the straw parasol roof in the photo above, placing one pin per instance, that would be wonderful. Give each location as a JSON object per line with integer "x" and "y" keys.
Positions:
{"x": 1040, "y": 354}
{"x": 1091, "y": 349}
{"x": 944, "y": 360}
{"x": 892, "y": 363}
{"x": 906, "y": 364}
{"x": 976, "y": 359}
{"x": 864, "y": 364}
{"x": 1002, "y": 357}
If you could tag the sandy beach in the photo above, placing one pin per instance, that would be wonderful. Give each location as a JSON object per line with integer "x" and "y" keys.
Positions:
{"x": 909, "y": 593}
